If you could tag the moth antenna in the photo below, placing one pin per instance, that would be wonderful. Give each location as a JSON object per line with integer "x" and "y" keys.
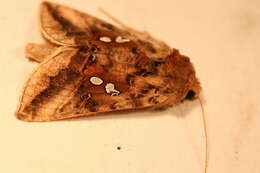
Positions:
{"x": 114, "y": 19}
{"x": 205, "y": 135}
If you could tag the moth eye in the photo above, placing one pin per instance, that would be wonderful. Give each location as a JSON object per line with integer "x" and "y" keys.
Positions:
{"x": 190, "y": 95}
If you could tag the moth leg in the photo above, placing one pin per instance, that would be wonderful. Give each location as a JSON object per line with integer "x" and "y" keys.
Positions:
{"x": 37, "y": 52}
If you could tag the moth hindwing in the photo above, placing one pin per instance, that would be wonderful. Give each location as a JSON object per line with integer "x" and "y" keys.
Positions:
{"x": 88, "y": 66}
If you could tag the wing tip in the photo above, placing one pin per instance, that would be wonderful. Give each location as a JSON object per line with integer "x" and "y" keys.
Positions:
{"x": 23, "y": 117}
{"x": 31, "y": 118}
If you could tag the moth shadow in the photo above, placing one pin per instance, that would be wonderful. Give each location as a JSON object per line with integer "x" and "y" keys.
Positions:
{"x": 180, "y": 111}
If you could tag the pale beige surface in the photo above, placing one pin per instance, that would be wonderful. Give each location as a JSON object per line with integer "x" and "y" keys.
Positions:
{"x": 223, "y": 39}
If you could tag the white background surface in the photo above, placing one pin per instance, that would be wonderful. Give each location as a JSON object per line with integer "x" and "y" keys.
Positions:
{"x": 222, "y": 37}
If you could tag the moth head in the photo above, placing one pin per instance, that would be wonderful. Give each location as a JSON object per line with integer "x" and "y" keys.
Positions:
{"x": 183, "y": 76}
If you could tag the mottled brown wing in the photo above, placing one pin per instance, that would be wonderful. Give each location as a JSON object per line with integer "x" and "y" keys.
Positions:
{"x": 63, "y": 86}
{"x": 68, "y": 27}
{"x": 79, "y": 82}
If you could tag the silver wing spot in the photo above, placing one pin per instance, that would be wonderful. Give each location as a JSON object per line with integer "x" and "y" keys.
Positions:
{"x": 110, "y": 89}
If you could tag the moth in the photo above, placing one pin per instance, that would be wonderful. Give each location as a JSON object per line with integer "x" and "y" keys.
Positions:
{"x": 88, "y": 66}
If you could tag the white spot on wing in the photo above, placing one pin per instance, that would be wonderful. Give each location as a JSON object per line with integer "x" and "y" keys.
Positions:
{"x": 119, "y": 39}
{"x": 110, "y": 89}
{"x": 96, "y": 80}
{"x": 105, "y": 39}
